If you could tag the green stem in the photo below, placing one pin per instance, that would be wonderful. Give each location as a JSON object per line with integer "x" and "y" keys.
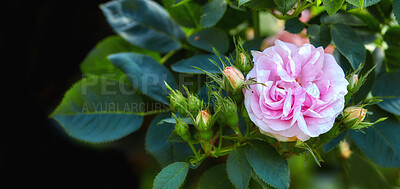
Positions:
{"x": 220, "y": 139}
{"x": 187, "y": 46}
{"x": 167, "y": 56}
{"x": 234, "y": 138}
{"x": 192, "y": 18}
{"x": 152, "y": 112}
{"x": 238, "y": 133}
{"x": 193, "y": 149}
{"x": 256, "y": 24}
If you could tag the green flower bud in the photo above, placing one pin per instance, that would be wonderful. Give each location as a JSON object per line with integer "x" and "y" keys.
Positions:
{"x": 177, "y": 101}
{"x": 243, "y": 63}
{"x": 206, "y": 135}
{"x": 353, "y": 81}
{"x": 233, "y": 79}
{"x": 229, "y": 113}
{"x": 203, "y": 121}
{"x": 353, "y": 116}
{"x": 194, "y": 104}
{"x": 182, "y": 129}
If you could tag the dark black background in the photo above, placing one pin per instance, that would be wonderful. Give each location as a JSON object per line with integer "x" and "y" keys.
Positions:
{"x": 47, "y": 40}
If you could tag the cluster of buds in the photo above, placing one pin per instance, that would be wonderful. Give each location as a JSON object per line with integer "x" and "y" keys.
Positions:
{"x": 225, "y": 108}
{"x": 192, "y": 107}
{"x": 184, "y": 106}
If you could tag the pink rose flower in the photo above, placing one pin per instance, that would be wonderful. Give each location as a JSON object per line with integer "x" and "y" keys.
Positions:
{"x": 303, "y": 91}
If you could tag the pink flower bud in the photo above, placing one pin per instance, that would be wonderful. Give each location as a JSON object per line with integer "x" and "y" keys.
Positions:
{"x": 234, "y": 76}
{"x": 202, "y": 120}
{"x": 353, "y": 81}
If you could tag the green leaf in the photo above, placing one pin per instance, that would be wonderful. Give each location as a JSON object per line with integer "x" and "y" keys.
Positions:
{"x": 387, "y": 86}
{"x": 334, "y": 142}
{"x": 294, "y": 25}
{"x": 157, "y": 144}
{"x": 261, "y": 4}
{"x": 143, "y": 23}
{"x": 343, "y": 62}
{"x": 319, "y": 35}
{"x": 254, "y": 44}
{"x": 349, "y": 44}
{"x": 396, "y": 9}
{"x": 369, "y": 20}
{"x": 97, "y": 63}
{"x": 186, "y": 13}
{"x": 233, "y": 21}
{"x": 171, "y": 176}
{"x": 179, "y": 2}
{"x": 241, "y": 2}
{"x": 381, "y": 142}
{"x": 392, "y": 55}
{"x": 365, "y": 3}
{"x": 342, "y": 18}
{"x": 382, "y": 10}
{"x": 215, "y": 178}
{"x": 97, "y": 109}
{"x": 173, "y": 121}
{"x": 267, "y": 164}
{"x": 200, "y": 61}
{"x": 145, "y": 74}
{"x": 332, "y": 6}
{"x": 238, "y": 168}
{"x": 285, "y": 5}
{"x": 212, "y": 12}
{"x": 211, "y": 37}
{"x": 392, "y": 36}
{"x": 257, "y": 183}
{"x": 360, "y": 173}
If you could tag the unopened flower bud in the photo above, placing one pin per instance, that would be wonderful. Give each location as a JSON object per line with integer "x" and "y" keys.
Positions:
{"x": 345, "y": 151}
{"x": 229, "y": 113}
{"x": 194, "y": 104}
{"x": 243, "y": 63}
{"x": 177, "y": 101}
{"x": 206, "y": 135}
{"x": 353, "y": 115}
{"x": 203, "y": 121}
{"x": 182, "y": 129}
{"x": 233, "y": 79}
{"x": 353, "y": 81}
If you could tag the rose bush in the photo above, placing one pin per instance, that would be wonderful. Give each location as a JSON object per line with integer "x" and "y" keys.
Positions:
{"x": 303, "y": 91}
{"x": 293, "y": 89}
